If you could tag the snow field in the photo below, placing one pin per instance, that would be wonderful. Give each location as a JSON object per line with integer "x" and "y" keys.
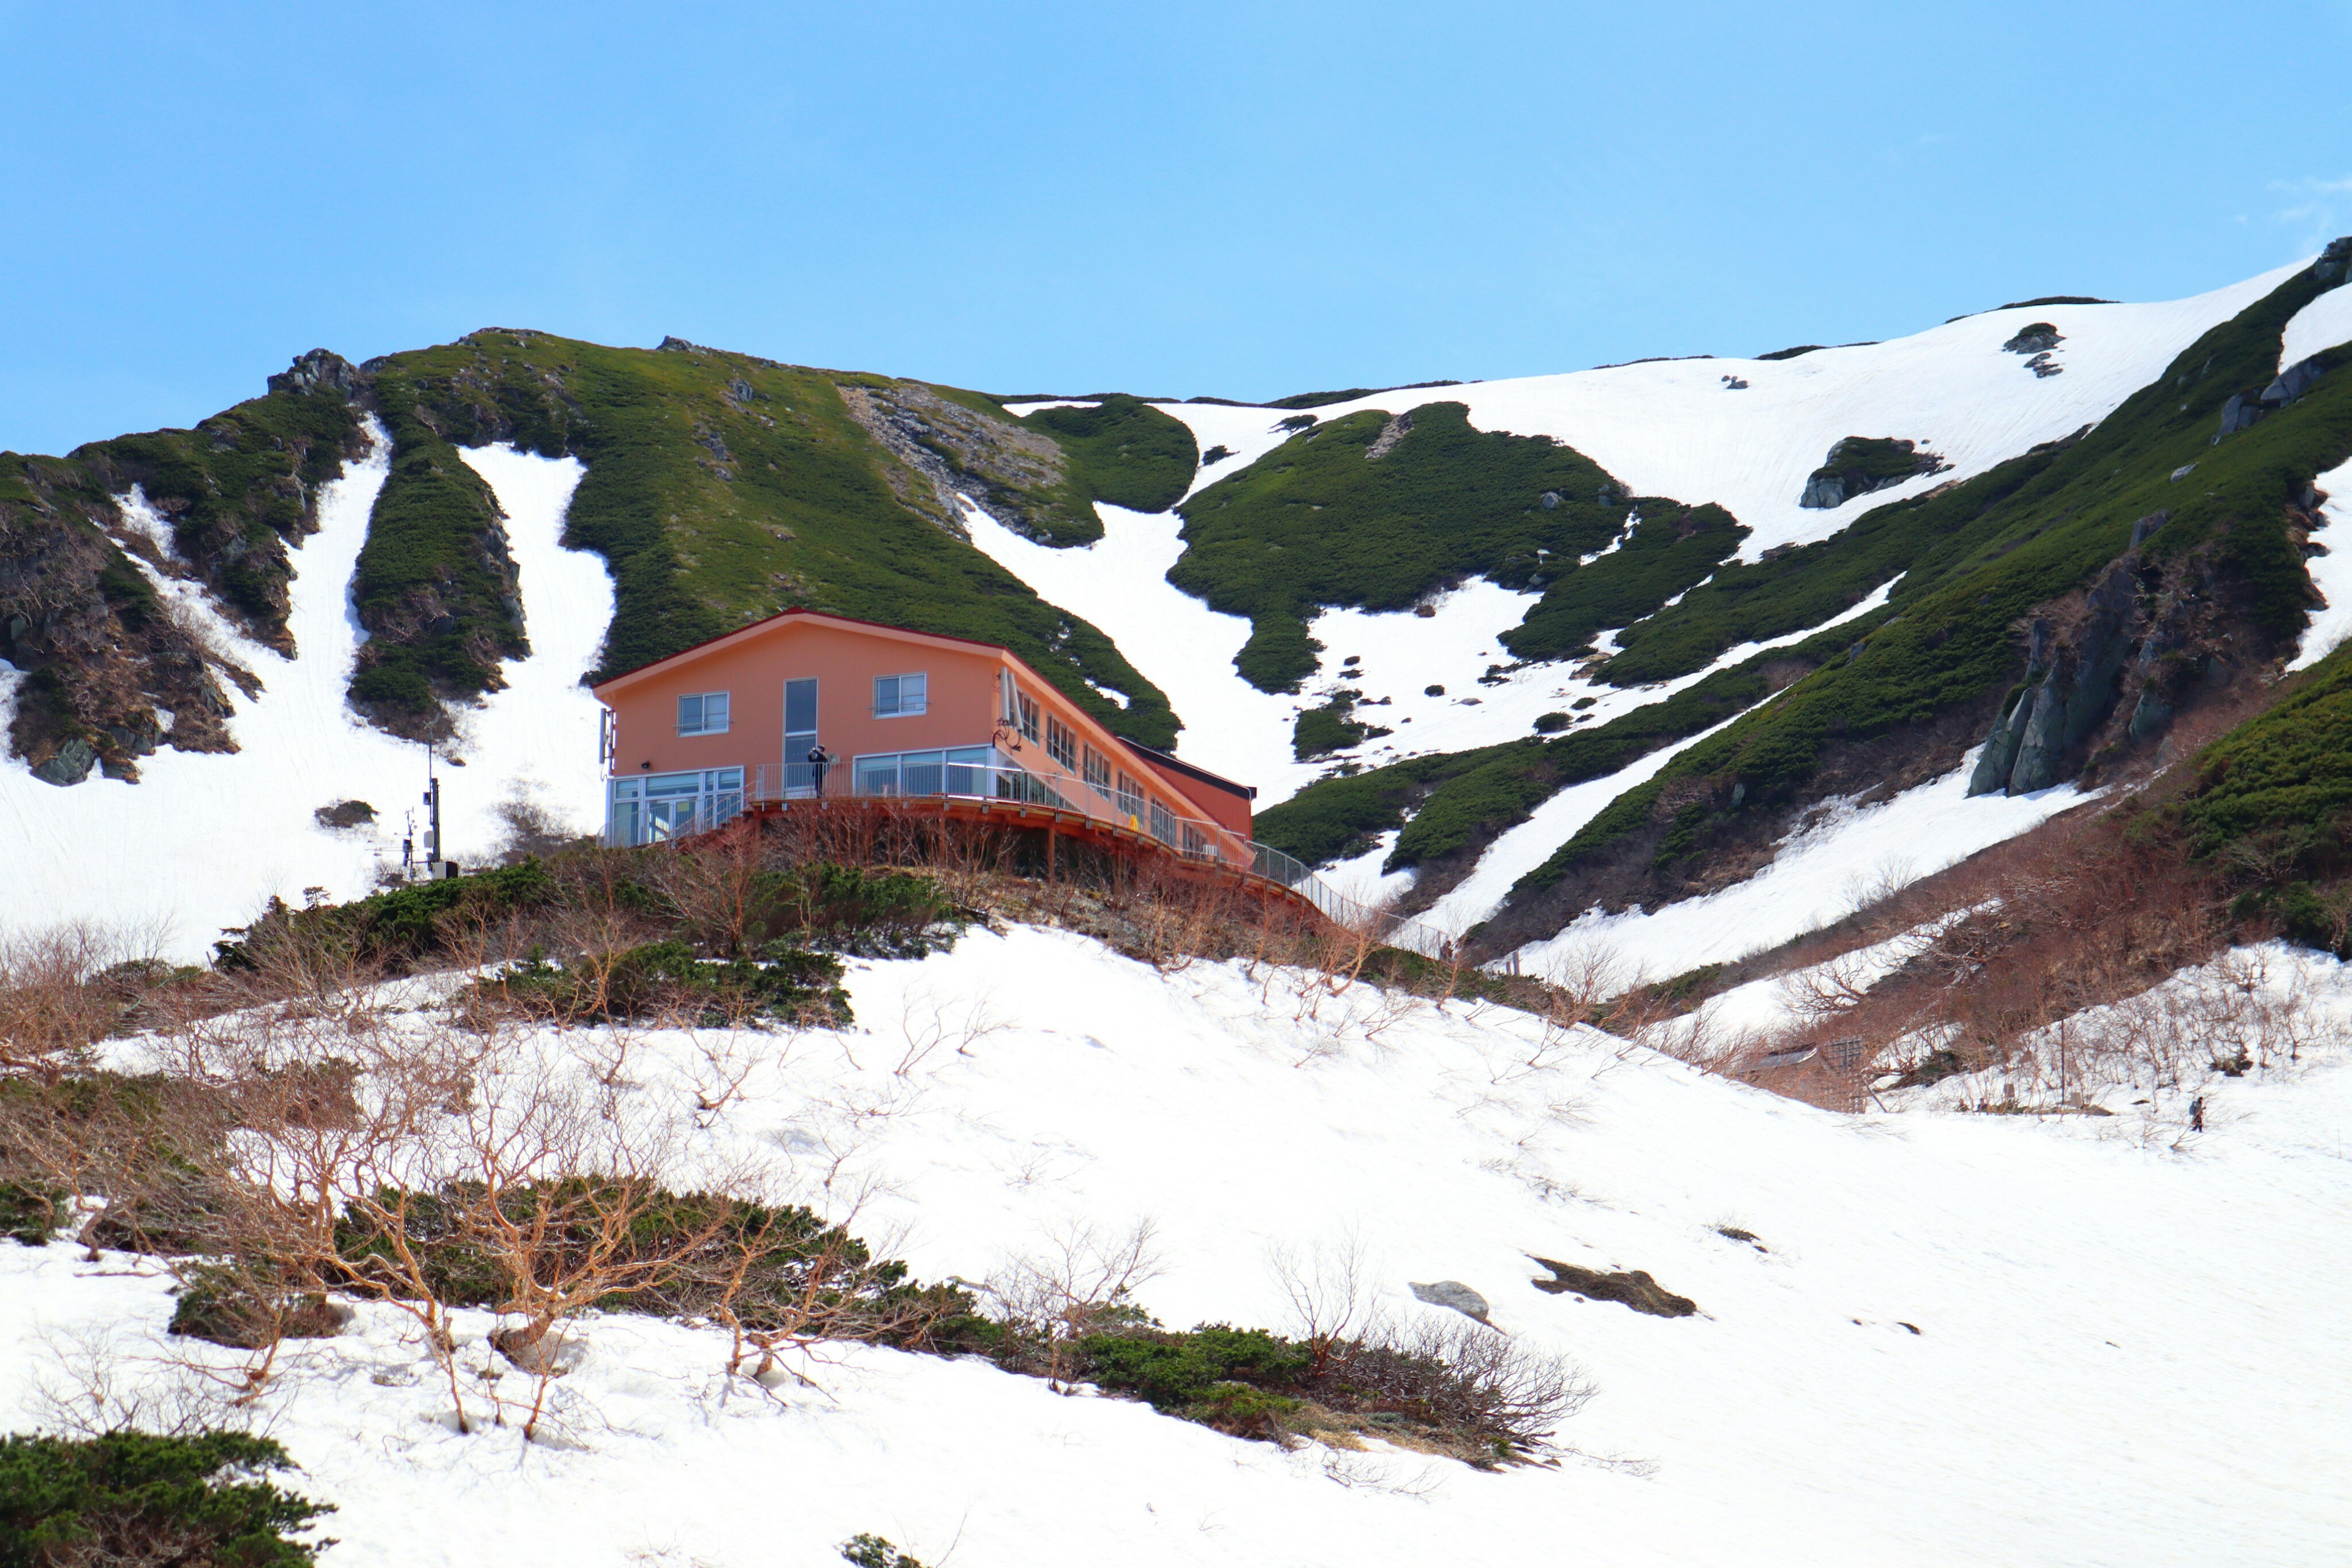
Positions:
{"x": 2331, "y": 574}
{"x": 202, "y": 842}
{"x": 2122, "y": 1350}
{"x": 2322, "y": 324}
{"x": 1843, "y": 858}
{"x": 1671, "y": 427}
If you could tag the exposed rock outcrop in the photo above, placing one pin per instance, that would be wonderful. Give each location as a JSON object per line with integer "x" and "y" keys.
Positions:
{"x": 1861, "y": 464}
{"x": 1396, "y": 430}
{"x": 945, "y": 448}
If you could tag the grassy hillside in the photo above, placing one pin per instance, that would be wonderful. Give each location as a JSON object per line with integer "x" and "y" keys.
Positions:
{"x": 2010, "y": 542}
{"x": 1124, "y": 451}
{"x": 1378, "y": 513}
{"x": 720, "y": 489}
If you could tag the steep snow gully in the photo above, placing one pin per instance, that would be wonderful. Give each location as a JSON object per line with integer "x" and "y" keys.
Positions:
{"x": 1923, "y": 1339}
{"x": 203, "y": 842}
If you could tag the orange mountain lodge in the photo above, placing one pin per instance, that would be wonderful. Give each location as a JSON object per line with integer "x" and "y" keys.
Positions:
{"x": 806, "y": 706}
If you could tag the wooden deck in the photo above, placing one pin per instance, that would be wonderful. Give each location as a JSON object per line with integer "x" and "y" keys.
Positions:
{"x": 1055, "y": 826}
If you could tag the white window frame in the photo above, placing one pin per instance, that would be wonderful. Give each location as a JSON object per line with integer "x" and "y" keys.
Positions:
{"x": 898, "y": 709}
{"x": 702, "y": 712}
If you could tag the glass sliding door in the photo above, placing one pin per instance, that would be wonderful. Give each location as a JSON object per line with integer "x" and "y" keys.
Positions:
{"x": 652, "y": 809}
{"x": 799, "y": 737}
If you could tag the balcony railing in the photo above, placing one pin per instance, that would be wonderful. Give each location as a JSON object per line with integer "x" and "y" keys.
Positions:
{"x": 1194, "y": 838}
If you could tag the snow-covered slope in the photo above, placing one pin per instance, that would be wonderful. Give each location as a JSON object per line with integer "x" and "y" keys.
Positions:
{"x": 1673, "y": 427}
{"x": 2322, "y": 324}
{"x": 1955, "y": 1338}
{"x": 203, "y": 841}
{"x": 2331, "y": 571}
{"x": 1840, "y": 860}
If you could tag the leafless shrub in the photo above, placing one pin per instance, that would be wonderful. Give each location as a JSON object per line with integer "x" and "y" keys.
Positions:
{"x": 65, "y": 988}
{"x": 1080, "y": 1281}
{"x": 529, "y": 826}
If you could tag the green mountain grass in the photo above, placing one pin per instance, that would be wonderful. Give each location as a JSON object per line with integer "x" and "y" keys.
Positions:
{"x": 1124, "y": 451}
{"x": 1317, "y": 522}
{"x": 713, "y": 509}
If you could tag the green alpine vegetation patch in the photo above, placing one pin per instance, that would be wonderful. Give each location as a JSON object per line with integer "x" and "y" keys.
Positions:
{"x": 1670, "y": 549}
{"x": 2271, "y": 804}
{"x": 668, "y": 982}
{"x": 436, "y": 585}
{"x": 721, "y": 488}
{"x": 241, "y": 485}
{"x": 1332, "y": 726}
{"x": 2008, "y": 543}
{"x": 203, "y": 1500}
{"x": 1859, "y": 464}
{"x": 1380, "y": 512}
{"x": 1124, "y": 451}
{"x": 1466, "y": 1391}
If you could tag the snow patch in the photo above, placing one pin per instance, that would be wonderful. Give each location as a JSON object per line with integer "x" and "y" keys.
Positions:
{"x": 1844, "y": 859}
{"x": 203, "y": 841}
{"x": 2322, "y": 324}
{"x": 2331, "y": 572}
{"x": 2036, "y": 1352}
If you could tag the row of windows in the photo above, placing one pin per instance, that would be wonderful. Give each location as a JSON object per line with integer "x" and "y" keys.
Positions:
{"x": 904, "y": 695}
{"x": 895, "y": 697}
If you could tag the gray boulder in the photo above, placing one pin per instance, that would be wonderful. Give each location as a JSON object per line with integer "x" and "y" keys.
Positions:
{"x": 71, "y": 765}
{"x": 2242, "y": 409}
{"x": 2293, "y": 382}
{"x": 2333, "y": 261}
{"x": 1451, "y": 1293}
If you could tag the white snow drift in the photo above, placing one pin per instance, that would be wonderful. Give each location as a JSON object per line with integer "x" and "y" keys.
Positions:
{"x": 1956, "y": 1339}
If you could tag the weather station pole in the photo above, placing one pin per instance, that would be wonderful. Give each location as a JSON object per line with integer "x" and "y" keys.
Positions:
{"x": 434, "y": 866}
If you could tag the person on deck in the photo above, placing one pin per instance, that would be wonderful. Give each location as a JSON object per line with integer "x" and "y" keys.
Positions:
{"x": 819, "y": 759}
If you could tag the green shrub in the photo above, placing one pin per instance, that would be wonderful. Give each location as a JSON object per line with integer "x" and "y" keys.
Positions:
{"x": 1332, "y": 727}
{"x": 31, "y": 1212}
{"x": 665, "y": 979}
{"x": 1124, "y": 451}
{"x": 694, "y": 1255}
{"x": 396, "y": 925}
{"x": 860, "y": 911}
{"x": 245, "y": 1307}
{"x": 129, "y": 1498}
{"x": 869, "y": 1550}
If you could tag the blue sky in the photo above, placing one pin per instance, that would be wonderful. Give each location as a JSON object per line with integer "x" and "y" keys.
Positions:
{"x": 1170, "y": 199}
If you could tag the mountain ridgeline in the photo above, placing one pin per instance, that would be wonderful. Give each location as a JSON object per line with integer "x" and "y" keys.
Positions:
{"x": 720, "y": 488}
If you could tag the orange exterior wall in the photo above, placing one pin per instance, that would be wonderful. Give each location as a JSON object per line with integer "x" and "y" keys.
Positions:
{"x": 1221, "y": 807}
{"x": 961, "y": 707}
{"x": 958, "y": 708}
